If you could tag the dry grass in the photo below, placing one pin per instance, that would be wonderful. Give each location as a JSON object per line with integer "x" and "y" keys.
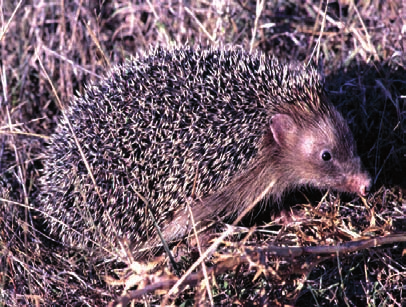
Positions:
{"x": 362, "y": 48}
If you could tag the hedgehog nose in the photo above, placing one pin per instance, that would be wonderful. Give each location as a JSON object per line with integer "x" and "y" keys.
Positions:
{"x": 365, "y": 188}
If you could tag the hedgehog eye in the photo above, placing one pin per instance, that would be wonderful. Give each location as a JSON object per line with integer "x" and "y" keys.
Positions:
{"x": 326, "y": 155}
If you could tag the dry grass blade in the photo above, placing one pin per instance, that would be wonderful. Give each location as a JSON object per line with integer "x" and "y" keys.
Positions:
{"x": 7, "y": 26}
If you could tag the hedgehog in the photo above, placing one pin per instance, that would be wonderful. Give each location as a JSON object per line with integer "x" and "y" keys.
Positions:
{"x": 223, "y": 125}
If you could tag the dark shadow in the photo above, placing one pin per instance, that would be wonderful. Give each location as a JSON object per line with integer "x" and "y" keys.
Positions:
{"x": 370, "y": 98}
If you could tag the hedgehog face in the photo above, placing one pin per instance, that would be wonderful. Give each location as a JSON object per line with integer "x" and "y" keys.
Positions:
{"x": 321, "y": 154}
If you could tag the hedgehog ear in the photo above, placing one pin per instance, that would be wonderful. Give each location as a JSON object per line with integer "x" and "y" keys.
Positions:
{"x": 282, "y": 126}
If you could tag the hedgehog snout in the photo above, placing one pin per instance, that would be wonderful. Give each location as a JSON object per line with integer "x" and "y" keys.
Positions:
{"x": 359, "y": 183}
{"x": 365, "y": 186}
